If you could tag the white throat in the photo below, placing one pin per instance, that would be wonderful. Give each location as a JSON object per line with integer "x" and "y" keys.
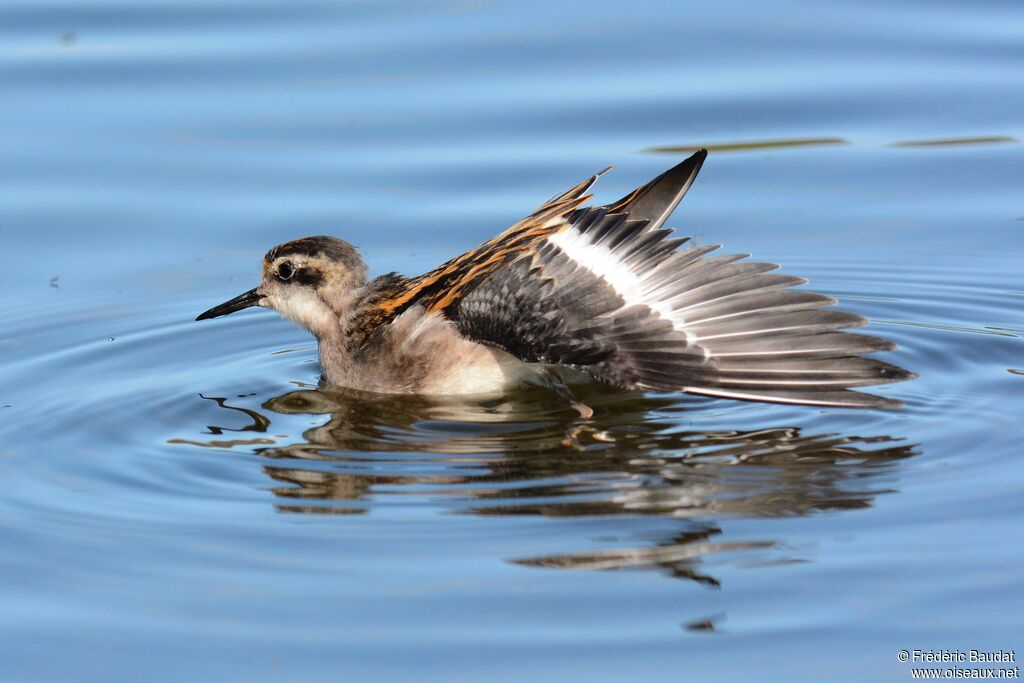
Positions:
{"x": 302, "y": 306}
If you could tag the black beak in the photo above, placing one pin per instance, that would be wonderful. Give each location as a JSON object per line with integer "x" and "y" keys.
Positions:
{"x": 250, "y": 298}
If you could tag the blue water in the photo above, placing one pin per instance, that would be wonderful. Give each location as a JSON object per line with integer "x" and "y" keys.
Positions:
{"x": 177, "y": 502}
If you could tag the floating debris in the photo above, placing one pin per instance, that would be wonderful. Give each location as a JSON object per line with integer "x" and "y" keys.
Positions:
{"x": 952, "y": 142}
{"x": 709, "y": 625}
{"x": 750, "y": 145}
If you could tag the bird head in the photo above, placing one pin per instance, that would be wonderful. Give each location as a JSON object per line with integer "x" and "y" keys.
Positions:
{"x": 304, "y": 280}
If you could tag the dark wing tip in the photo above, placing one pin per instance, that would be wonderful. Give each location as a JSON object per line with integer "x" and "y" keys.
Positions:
{"x": 894, "y": 373}
{"x": 655, "y": 201}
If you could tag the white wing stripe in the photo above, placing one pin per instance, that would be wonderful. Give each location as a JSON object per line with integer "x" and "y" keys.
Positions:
{"x": 609, "y": 266}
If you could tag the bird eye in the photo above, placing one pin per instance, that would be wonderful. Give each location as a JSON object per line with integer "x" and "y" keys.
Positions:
{"x": 285, "y": 271}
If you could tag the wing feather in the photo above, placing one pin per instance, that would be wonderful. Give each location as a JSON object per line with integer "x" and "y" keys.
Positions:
{"x": 609, "y": 291}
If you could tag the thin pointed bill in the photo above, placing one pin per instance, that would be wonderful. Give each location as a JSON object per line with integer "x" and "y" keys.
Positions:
{"x": 250, "y": 298}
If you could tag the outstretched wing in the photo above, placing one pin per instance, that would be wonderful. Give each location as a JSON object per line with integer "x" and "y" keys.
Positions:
{"x": 609, "y": 291}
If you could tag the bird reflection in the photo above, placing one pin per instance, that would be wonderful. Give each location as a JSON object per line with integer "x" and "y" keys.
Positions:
{"x": 531, "y": 455}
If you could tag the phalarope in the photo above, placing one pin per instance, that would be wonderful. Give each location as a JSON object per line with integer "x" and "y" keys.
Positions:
{"x": 604, "y": 290}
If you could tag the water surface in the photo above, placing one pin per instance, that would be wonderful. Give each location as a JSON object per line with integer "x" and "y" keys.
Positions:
{"x": 178, "y": 501}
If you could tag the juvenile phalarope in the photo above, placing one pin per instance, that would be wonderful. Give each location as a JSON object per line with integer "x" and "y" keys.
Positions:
{"x": 604, "y": 290}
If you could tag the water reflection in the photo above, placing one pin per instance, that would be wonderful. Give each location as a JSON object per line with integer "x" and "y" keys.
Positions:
{"x": 530, "y": 455}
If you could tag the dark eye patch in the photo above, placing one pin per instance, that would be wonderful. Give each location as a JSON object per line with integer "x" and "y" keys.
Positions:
{"x": 301, "y": 275}
{"x": 309, "y": 276}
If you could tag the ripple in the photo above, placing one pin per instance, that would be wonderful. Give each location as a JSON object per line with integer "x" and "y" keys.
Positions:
{"x": 529, "y": 455}
{"x": 230, "y": 414}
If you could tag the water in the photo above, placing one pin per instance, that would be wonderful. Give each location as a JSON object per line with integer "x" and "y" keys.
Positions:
{"x": 177, "y": 502}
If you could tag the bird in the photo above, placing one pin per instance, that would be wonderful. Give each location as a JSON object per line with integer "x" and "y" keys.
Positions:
{"x": 607, "y": 291}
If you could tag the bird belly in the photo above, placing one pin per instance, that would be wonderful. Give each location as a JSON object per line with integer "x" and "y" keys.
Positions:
{"x": 477, "y": 369}
{"x": 423, "y": 353}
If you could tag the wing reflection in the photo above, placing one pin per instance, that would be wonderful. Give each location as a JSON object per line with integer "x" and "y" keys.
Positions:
{"x": 530, "y": 455}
